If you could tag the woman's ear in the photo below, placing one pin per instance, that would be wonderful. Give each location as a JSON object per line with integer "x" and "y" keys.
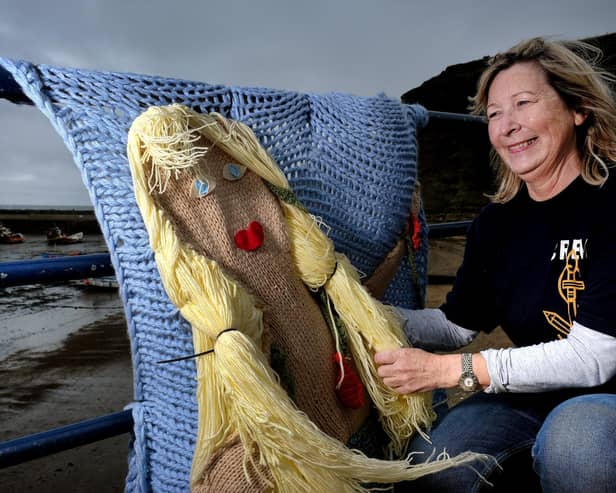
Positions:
{"x": 579, "y": 117}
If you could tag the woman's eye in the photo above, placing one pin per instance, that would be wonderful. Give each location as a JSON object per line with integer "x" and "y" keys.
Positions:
{"x": 493, "y": 114}
{"x": 523, "y": 102}
{"x": 233, "y": 172}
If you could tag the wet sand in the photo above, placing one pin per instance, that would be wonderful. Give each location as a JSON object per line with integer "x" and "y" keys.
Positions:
{"x": 64, "y": 357}
{"x": 88, "y": 375}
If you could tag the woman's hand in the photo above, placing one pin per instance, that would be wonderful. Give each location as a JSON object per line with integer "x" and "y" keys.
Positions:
{"x": 414, "y": 370}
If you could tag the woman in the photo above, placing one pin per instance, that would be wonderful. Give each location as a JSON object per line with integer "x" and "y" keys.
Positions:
{"x": 540, "y": 261}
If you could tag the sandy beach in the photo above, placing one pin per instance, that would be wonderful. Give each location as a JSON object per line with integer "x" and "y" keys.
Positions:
{"x": 65, "y": 357}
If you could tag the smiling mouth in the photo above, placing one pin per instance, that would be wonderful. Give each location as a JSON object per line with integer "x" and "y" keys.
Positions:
{"x": 522, "y": 145}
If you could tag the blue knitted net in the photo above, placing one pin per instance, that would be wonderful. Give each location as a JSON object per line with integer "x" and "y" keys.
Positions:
{"x": 350, "y": 160}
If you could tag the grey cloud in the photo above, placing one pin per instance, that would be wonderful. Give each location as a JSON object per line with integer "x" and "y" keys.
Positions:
{"x": 357, "y": 46}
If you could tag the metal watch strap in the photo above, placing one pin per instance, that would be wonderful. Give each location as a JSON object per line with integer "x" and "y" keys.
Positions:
{"x": 467, "y": 363}
{"x": 468, "y": 380}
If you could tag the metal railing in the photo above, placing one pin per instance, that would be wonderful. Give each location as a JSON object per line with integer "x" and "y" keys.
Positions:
{"x": 13, "y": 452}
{"x": 11, "y": 91}
{"x": 46, "y": 270}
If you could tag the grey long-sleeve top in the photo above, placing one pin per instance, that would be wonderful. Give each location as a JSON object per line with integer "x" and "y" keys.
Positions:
{"x": 585, "y": 358}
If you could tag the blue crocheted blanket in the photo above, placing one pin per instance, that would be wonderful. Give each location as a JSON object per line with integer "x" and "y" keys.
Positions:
{"x": 350, "y": 160}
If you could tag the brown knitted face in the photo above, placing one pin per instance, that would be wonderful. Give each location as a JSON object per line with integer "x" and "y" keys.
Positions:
{"x": 221, "y": 227}
{"x": 210, "y": 223}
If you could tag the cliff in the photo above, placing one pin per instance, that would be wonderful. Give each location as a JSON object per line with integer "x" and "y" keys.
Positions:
{"x": 454, "y": 164}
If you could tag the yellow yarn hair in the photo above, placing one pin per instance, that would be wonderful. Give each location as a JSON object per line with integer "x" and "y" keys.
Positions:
{"x": 236, "y": 386}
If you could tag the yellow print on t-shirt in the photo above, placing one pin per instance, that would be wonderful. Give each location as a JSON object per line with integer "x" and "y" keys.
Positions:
{"x": 569, "y": 283}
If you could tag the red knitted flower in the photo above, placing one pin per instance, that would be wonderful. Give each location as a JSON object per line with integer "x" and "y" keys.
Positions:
{"x": 351, "y": 391}
{"x": 415, "y": 227}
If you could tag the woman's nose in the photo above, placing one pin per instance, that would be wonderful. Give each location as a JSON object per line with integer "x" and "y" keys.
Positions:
{"x": 510, "y": 124}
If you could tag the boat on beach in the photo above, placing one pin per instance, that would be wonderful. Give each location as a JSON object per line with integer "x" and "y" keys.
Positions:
{"x": 105, "y": 282}
{"x": 60, "y": 254}
{"x": 55, "y": 236}
{"x": 8, "y": 237}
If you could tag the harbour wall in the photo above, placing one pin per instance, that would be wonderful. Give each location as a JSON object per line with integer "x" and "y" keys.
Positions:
{"x": 40, "y": 220}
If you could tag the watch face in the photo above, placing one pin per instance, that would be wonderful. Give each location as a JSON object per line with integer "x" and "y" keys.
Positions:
{"x": 468, "y": 382}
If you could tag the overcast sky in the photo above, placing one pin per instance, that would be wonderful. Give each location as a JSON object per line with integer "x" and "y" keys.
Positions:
{"x": 362, "y": 47}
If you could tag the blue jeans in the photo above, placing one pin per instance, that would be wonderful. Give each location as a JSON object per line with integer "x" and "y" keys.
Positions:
{"x": 571, "y": 448}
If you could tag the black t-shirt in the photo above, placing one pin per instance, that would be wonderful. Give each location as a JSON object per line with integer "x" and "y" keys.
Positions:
{"x": 535, "y": 267}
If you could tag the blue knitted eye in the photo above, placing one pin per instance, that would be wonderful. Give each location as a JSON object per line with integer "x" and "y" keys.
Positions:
{"x": 204, "y": 186}
{"x": 233, "y": 172}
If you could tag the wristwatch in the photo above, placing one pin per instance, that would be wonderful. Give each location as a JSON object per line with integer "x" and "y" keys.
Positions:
{"x": 468, "y": 380}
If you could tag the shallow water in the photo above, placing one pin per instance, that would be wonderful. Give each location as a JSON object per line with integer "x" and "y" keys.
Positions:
{"x": 35, "y": 246}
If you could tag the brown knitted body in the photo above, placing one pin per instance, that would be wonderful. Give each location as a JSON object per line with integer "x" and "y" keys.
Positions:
{"x": 300, "y": 343}
{"x": 225, "y": 473}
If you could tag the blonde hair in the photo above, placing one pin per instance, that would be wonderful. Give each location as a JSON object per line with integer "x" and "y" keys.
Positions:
{"x": 572, "y": 70}
{"x": 165, "y": 140}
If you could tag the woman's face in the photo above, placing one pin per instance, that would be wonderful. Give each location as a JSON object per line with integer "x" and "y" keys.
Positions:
{"x": 530, "y": 126}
